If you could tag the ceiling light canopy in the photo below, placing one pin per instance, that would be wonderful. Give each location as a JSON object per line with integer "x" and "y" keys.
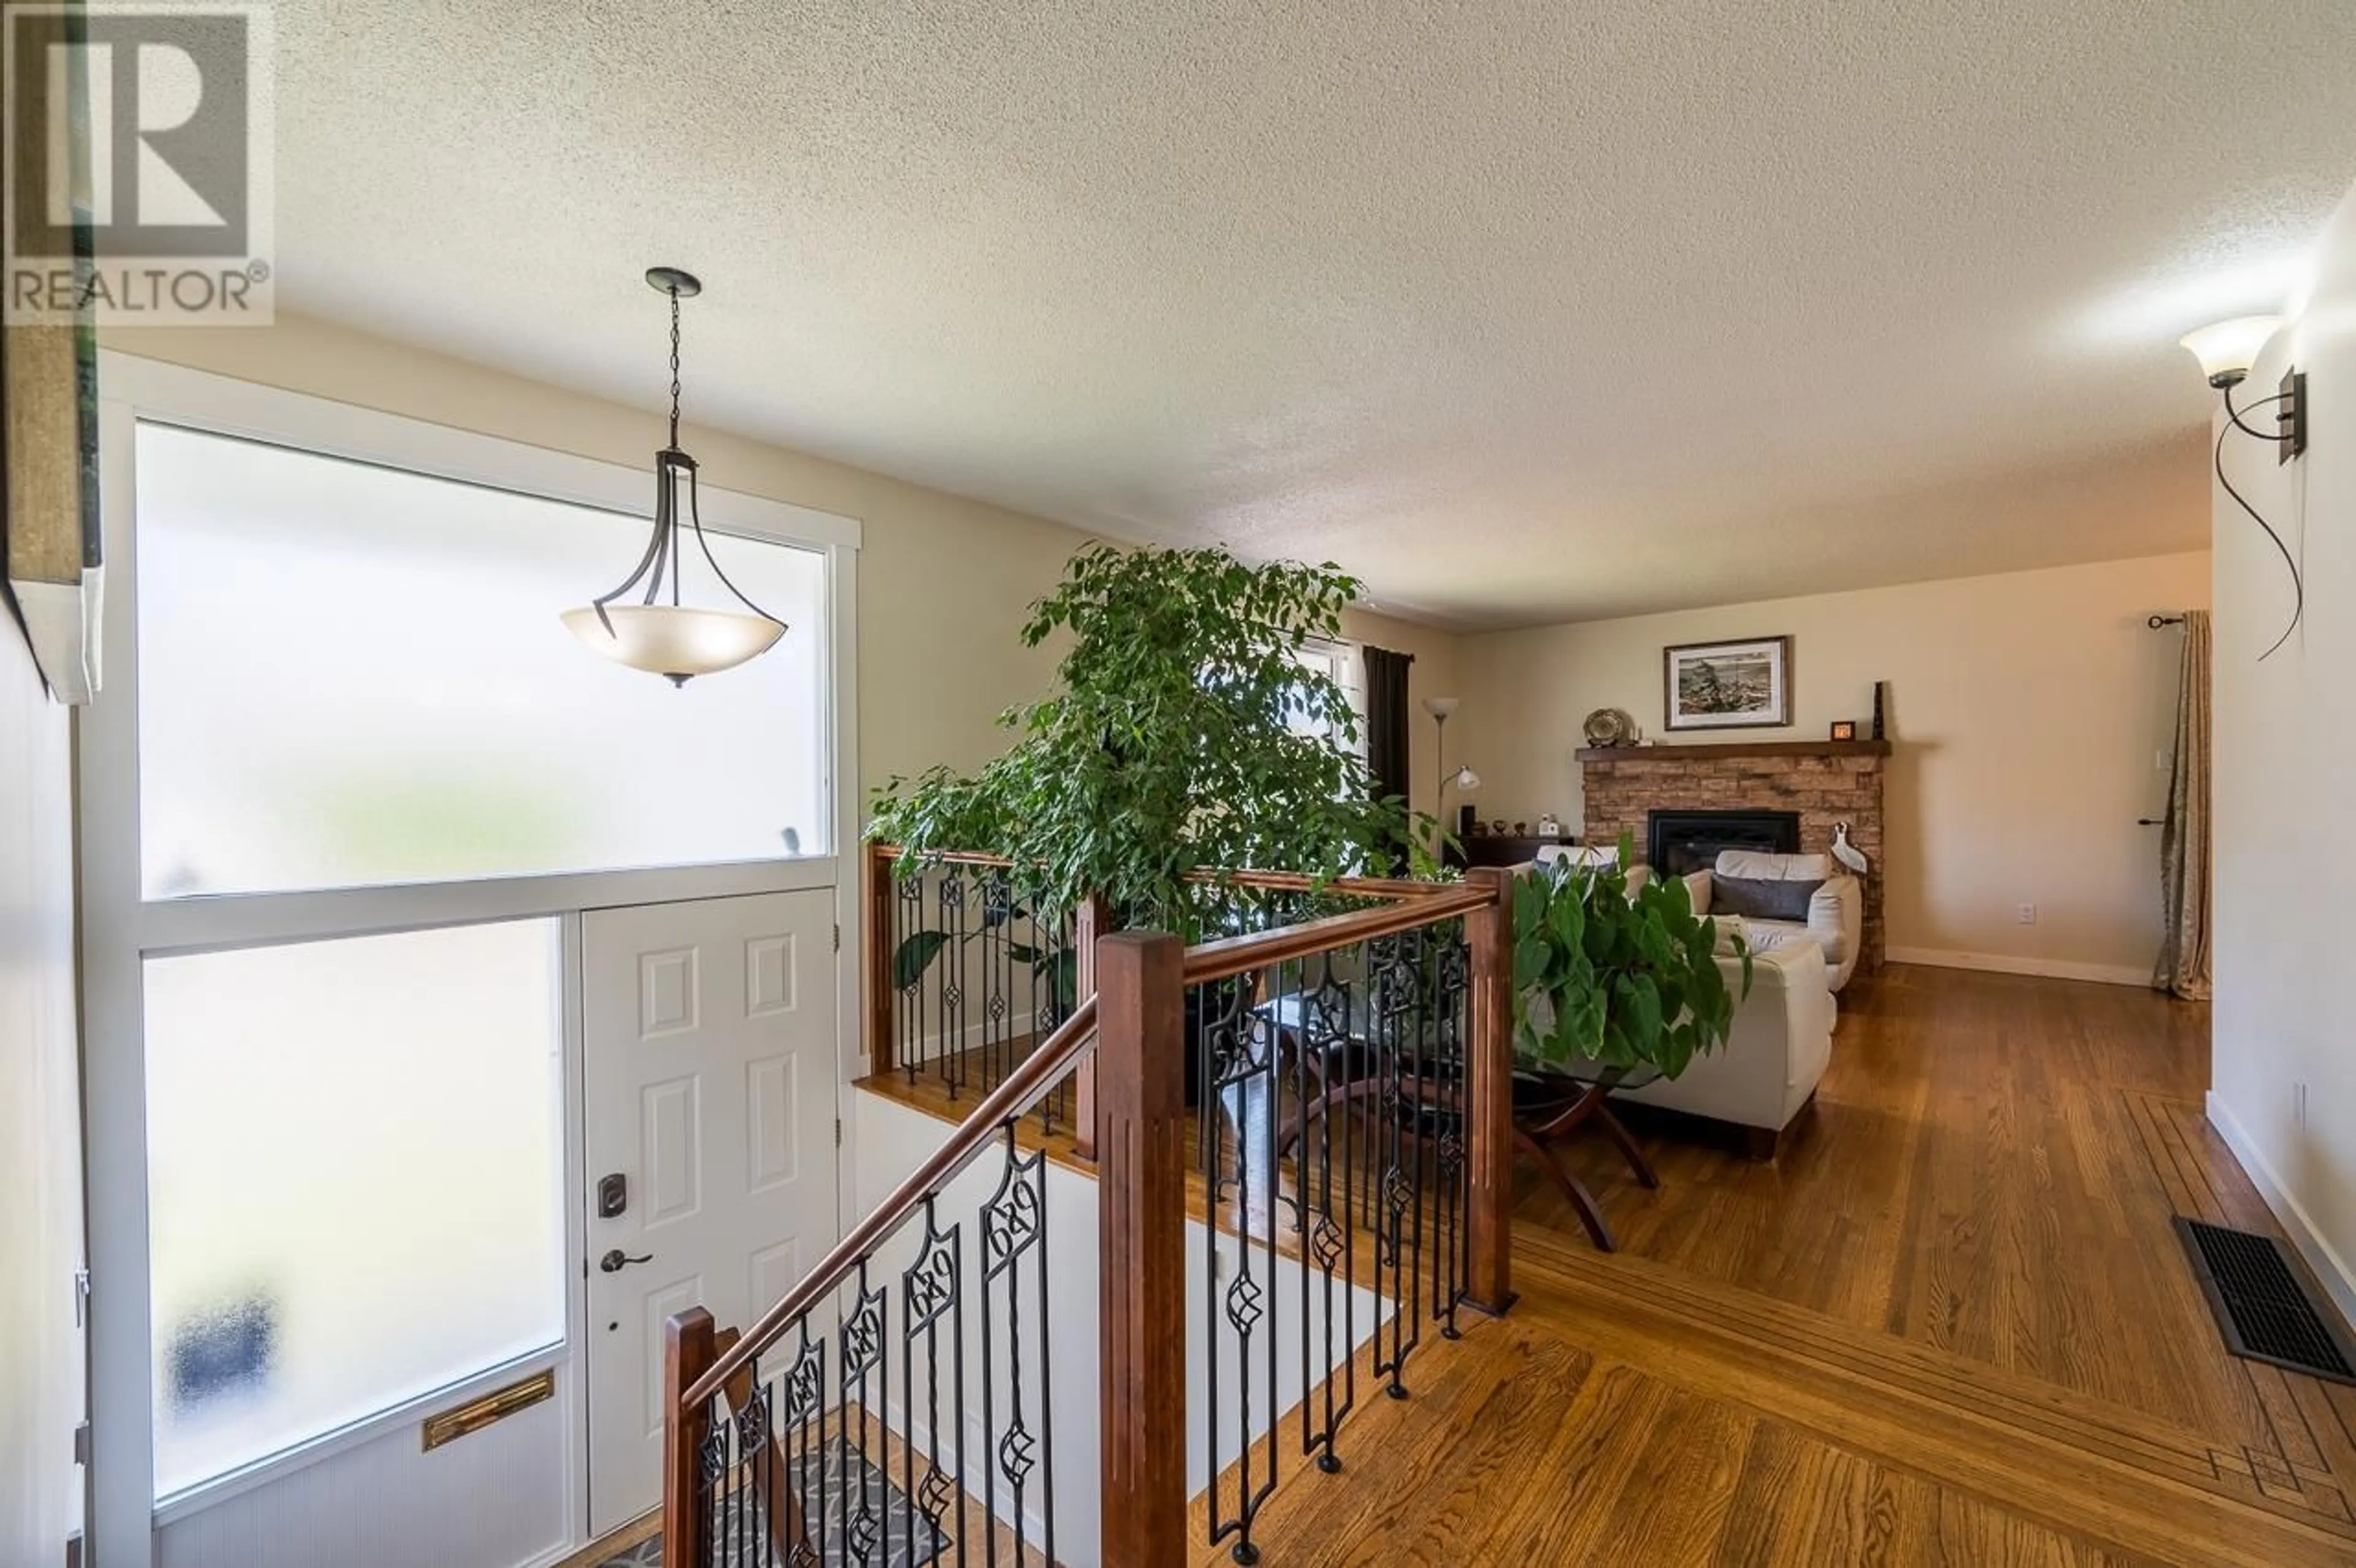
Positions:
{"x": 677, "y": 640}
{"x": 2227, "y": 349}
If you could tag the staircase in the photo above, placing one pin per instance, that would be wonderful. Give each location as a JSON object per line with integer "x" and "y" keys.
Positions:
{"x": 1278, "y": 1178}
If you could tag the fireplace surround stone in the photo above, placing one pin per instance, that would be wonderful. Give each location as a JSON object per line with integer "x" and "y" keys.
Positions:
{"x": 1823, "y": 783}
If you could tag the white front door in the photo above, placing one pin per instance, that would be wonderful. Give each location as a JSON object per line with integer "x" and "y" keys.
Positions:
{"x": 709, "y": 1039}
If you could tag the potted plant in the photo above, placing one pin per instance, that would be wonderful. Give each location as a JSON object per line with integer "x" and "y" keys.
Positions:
{"x": 1625, "y": 980}
{"x": 1186, "y": 739}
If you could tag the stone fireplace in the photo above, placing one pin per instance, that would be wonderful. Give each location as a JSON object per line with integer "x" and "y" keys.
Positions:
{"x": 1703, "y": 793}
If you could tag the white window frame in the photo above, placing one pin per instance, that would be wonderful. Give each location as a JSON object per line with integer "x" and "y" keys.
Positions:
{"x": 1347, "y": 665}
{"x": 121, "y": 928}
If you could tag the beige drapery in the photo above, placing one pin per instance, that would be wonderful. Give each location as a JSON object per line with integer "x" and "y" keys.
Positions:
{"x": 2183, "y": 969}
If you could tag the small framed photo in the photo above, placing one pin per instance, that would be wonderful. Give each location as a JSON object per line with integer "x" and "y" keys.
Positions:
{"x": 1729, "y": 686}
{"x": 1844, "y": 729}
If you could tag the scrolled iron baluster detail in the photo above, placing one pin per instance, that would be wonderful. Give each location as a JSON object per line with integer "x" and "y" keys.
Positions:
{"x": 1237, "y": 1046}
{"x": 908, "y": 1010}
{"x": 1013, "y": 1227}
{"x": 860, "y": 1339}
{"x": 950, "y": 990}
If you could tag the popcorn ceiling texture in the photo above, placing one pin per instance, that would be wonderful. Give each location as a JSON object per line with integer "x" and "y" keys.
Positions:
{"x": 1525, "y": 311}
{"x": 1622, "y": 792}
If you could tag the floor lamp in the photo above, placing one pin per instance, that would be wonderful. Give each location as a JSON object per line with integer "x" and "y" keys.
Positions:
{"x": 1465, "y": 780}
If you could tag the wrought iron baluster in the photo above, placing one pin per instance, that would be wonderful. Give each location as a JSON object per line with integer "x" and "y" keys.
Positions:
{"x": 861, "y": 1337}
{"x": 801, "y": 1411}
{"x": 931, "y": 1290}
{"x": 951, "y": 900}
{"x": 908, "y": 915}
{"x": 1013, "y": 1224}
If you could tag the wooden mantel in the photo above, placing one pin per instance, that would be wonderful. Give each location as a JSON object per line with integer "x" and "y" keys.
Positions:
{"x": 1734, "y": 748}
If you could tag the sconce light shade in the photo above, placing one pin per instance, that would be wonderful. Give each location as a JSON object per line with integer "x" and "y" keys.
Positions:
{"x": 1466, "y": 781}
{"x": 2226, "y": 349}
{"x": 1439, "y": 708}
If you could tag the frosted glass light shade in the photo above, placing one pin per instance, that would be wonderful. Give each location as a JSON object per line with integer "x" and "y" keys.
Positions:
{"x": 2226, "y": 349}
{"x": 1466, "y": 781}
{"x": 1440, "y": 706}
{"x": 675, "y": 640}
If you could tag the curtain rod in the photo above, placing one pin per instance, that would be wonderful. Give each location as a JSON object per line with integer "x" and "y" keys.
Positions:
{"x": 2159, "y": 623}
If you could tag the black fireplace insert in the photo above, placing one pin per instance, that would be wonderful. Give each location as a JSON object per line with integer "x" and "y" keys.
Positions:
{"x": 1677, "y": 842}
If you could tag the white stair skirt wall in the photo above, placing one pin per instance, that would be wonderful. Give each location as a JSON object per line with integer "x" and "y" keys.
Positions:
{"x": 888, "y": 1140}
{"x": 489, "y": 1499}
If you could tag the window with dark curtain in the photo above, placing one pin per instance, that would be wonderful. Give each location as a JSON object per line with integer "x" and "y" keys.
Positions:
{"x": 1386, "y": 738}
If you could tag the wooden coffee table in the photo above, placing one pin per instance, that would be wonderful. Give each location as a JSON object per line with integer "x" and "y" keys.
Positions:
{"x": 1552, "y": 1104}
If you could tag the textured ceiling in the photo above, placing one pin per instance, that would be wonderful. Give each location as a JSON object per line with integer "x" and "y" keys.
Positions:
{"x": 1523, "y": 310}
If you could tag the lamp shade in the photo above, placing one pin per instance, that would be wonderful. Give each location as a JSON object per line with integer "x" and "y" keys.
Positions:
{"x": 1467, "y": 781}
{"x": 675, "y": 640}
{"x": 2226, "y": 349}
{"x": 1440, "y": 706}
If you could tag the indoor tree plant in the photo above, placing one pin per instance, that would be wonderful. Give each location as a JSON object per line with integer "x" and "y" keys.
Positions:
{"x": 1602, "y": 975}
{"x": 1186, "y": 739}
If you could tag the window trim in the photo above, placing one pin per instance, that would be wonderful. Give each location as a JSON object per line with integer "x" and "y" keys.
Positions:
{"x": 121, "y": 928}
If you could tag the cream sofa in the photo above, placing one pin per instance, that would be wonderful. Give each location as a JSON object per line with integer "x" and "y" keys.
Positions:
{"x": 1776, "y": 1054}
{"x": 1836, "y": 911}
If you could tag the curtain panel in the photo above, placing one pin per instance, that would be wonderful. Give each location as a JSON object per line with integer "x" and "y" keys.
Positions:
{"x": 2184, "y": 960}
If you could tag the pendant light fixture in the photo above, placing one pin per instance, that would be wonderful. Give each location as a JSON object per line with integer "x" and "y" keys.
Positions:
{"x": 674, "y": 639}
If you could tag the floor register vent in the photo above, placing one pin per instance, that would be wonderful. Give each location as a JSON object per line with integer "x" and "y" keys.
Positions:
{"x": 2264, "y": 1306}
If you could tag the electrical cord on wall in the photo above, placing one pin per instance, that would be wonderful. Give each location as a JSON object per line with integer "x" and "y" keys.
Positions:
{"x": 2297, "y": 585}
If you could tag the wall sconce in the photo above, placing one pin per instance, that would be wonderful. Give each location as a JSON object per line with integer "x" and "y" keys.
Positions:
{"x": 2226, "y": 350}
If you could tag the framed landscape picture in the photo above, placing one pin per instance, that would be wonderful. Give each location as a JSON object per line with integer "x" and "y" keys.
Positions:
{"x": 1729, "y": 686}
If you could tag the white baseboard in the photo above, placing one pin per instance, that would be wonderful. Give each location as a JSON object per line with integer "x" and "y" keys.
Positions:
{"x": 975, "y": 1035}
{"x": 2006, "y": 963}
{"x": 2320, "y": 1256}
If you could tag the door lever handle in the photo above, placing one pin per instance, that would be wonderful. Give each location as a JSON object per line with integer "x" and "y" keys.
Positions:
{"x": 616, "y": 1261}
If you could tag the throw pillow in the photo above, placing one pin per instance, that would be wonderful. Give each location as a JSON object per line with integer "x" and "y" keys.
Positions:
{"x": 1759, "y": 898}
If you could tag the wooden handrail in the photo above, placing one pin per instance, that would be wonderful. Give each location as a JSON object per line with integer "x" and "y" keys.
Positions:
{"x": 1023, "y": 1088}
{"x": 1232, "y": 955}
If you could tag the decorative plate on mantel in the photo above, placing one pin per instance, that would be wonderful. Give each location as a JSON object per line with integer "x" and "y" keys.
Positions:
{"x": 1610, "y": 727}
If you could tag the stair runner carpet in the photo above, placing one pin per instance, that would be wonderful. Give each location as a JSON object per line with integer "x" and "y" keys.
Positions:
{"x": 889, "y": 1546}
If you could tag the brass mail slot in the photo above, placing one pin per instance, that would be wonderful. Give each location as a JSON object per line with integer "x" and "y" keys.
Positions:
{"x": 497, "y": 1405}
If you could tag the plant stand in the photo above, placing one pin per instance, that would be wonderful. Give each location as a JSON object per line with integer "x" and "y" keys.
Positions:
{"x": 1551, "y": 1107}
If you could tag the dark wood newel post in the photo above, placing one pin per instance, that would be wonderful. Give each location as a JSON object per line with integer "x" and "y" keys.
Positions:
{"x": 1489, "y": 1006}
{"x": 1091, "y": 920}
{"x": 1141, "y": 1124}
{"x": 687, "y": 1353}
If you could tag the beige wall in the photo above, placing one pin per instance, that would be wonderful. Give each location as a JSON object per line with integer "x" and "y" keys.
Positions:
{"x": 2028, "y": 708}
{"x": 2283, "y": 1077}
{"x": 943, "y": 581}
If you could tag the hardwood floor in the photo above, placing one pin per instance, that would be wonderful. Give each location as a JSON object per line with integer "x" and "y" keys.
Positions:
{"x": 1950, "y": 1325}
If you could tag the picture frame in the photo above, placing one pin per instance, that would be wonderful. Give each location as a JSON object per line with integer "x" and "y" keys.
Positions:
{"x": 1735, "y": 684}
{"x": 1843, "y": 730}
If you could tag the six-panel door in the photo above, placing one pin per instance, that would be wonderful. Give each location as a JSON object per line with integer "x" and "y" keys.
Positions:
{"x": 709, "y": 1091}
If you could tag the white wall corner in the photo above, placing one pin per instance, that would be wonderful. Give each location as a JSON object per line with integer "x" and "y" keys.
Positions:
{"x": 63, "y": 623}
{"x": 2326, "y": 1263}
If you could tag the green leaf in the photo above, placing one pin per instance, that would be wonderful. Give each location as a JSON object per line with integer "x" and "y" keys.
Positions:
{"x": 915, "y": 956}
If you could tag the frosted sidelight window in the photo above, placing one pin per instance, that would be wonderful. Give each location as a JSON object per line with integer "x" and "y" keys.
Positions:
{"x": 355, "y": 1172}
{"x": 351, "y": 675}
